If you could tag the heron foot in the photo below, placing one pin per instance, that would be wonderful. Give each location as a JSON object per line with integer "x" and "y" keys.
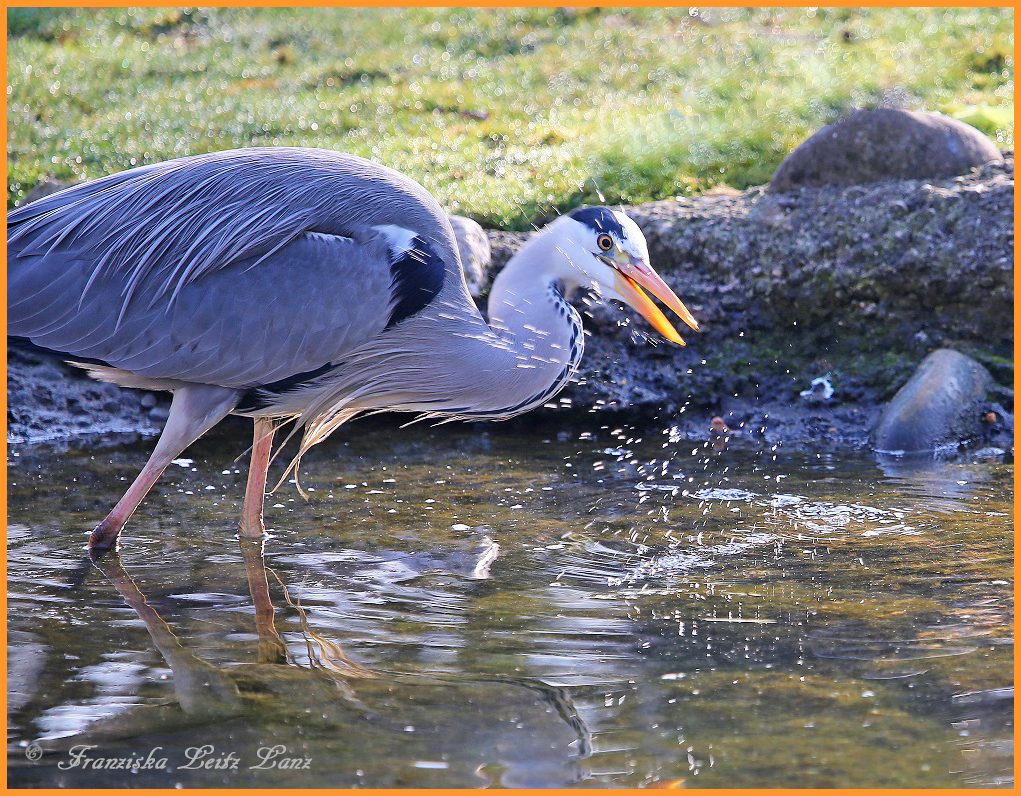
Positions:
{"x": 104, "y": 537}
{"x": 252, "y": 528}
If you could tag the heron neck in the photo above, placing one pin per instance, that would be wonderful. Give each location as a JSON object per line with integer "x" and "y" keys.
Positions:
{"x": 539, "y": 332}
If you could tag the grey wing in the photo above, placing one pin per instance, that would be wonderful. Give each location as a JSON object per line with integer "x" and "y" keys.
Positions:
{"x": 156, "y": 229}
{"x": 182, "y": 269}
{"x": 247, "y": 324}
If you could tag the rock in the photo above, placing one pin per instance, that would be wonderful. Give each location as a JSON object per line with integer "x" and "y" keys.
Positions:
{"x": 941, "y": 404}
{"x": 44, "y": 188}
{"x": 884, "y": 144}
{"x": 48, "y": 399}
{"x": 473, "y": 247}
{"x": 997, "y": 425}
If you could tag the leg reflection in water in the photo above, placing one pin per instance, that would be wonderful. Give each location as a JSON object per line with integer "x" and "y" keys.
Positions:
{"x": 359, "y": 727}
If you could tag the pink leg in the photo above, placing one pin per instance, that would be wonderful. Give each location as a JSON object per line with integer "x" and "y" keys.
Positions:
{"x": 255, "y": 493}
{"x": 271, "y": 647}
{"x": 194, "y": 411}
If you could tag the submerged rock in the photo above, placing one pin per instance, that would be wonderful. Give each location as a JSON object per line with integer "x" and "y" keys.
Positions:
{"x": 940, "y": 405}
{"x": 884, "y": 144}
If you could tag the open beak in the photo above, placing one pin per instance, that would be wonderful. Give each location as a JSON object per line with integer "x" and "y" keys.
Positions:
{"x": 632, "y": 276}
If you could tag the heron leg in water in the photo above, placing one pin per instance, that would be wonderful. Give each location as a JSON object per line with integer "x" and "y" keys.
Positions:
{"x": 194, "y": 410}
{"x": 201, "y": 688}
{"x": 255, "y": 492}
{"x": 271, "y": 647}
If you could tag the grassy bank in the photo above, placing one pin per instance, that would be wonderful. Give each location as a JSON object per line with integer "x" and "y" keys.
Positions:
{"x": 505, "y": 115}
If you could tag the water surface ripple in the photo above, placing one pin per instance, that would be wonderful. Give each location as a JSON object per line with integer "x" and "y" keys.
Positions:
{"x": 459, "y": 607}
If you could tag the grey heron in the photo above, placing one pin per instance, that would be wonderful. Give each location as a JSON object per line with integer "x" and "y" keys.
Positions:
{"x": 302, "y": 284}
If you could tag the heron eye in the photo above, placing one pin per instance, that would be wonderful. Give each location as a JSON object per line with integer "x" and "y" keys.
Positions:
{"x": 605, "y": 242}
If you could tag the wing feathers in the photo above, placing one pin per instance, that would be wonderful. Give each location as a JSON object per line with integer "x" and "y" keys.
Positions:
{"x": 312, "y": 302}
{"x": 162, "y": 227}
{"x": 235, "y": 268}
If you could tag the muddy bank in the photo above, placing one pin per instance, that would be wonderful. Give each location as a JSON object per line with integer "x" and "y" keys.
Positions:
{"x": 854, "y": 285}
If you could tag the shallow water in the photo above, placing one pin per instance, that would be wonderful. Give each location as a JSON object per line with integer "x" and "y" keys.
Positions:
{"x": 469, "y": 607}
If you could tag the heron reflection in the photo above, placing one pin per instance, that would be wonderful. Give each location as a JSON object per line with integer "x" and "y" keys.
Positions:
{"x": 310, "y": 697}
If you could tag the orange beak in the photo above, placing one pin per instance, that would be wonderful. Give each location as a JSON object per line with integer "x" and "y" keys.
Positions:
{"x": 632, "y": 276}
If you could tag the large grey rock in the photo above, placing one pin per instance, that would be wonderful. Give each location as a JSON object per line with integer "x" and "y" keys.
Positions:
{"x": 884, "y": 144}
{"x": 941, "y": 404}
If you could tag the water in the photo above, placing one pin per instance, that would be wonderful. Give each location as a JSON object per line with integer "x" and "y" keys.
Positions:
{"x": 462, "y": 607}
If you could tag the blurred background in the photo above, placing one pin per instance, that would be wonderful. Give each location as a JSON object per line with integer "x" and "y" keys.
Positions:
{"x": 506, "y": 115}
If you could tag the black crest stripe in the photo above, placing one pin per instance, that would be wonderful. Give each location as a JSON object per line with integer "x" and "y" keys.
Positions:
{"x": 601, "y": 219}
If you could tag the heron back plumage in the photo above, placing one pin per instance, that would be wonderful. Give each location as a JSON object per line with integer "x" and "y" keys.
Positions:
{"x": 238, "y": 268}
{"x": 311, "y": 283}
{"x": 163, "y": 226}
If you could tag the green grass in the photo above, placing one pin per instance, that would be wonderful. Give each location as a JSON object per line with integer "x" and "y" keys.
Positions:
{"x": 506, "y": 115}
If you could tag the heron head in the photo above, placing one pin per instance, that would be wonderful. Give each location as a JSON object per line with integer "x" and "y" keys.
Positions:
{"x": 605, "y": 249}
